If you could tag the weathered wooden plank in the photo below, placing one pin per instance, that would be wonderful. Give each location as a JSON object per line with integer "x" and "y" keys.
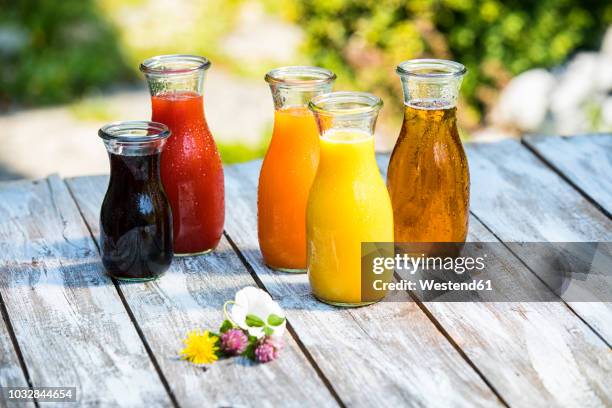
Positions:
{"x": 533, "y": 353}
{"x": 520, "y": 199}
{"x": 586, "y": 161}
{"x": 387, "y": 354}
{"x": 69, "y": 321}
{"x": 191, "y": 295}
{"x": 11, "y": 374}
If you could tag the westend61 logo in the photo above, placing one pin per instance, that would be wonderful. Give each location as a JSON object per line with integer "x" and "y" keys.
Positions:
{"x": 487, "y": 271}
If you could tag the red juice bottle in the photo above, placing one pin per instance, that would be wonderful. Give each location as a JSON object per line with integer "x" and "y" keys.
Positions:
{"x": 191, "y": 169}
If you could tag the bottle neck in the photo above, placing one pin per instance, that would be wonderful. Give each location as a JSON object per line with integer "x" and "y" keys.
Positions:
{"x": 430, "y": 94}
{"x": 172, "y": 84}
{"x": 128, "y": 170}
{"x": 348, "y": 155}
{"x": 429, "y": 125}
{"x": 288, "y": 97}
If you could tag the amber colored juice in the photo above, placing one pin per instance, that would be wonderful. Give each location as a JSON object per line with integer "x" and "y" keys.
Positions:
{"x": 191, "y": 172}
{"x": 428, "y": 178}
{"x": 348, "y": 204}
{"x": 284, "y": 182}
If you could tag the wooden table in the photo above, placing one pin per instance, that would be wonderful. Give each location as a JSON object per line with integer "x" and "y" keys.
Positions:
{"x": 65, "y": 323}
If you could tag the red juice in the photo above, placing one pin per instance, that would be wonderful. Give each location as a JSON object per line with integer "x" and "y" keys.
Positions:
{"x": 191, "y": 172}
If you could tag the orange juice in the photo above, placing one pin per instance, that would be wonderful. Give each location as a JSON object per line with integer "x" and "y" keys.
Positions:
{"x": 285, "y": 179}
{"x": 348, "y": 204}
{"x": 289, "y": 166}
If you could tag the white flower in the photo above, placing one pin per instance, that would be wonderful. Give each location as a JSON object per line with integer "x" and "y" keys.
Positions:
{"x": 255, "y": 311}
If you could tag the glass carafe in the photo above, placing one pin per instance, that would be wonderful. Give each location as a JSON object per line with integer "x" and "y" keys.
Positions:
{"x": 191, "y": 168}
{"x": 289, "y": 166}
{"x": 348, "y": 202}
{"x": 428, "y": 177}
{"x": 135, "y": 218}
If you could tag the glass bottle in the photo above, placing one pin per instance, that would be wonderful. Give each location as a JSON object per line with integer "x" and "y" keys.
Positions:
{"x": 428, "y": 176}
{"x": 348, "y": 203}
{"x": 191, "y": 168}
{"x": 289, "y": 166}
{"x": 135, "y": 218}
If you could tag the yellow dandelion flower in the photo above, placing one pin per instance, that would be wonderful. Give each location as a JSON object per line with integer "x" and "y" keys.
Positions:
{"x": 200, "y": 348}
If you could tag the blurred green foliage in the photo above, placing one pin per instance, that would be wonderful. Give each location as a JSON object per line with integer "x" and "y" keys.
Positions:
{"x": 363, "y": 40}
{"x": 54, "y": 50}
{"x": 149, "y": 27}
{"x": 241, "y": 152}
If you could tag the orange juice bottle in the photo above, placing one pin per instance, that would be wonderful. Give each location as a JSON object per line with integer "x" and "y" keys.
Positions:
{"x": 348, "y": 203}
{"x": 289, "y": 166}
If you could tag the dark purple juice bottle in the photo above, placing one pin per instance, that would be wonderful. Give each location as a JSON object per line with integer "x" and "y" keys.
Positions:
{"x": 135, "y": 218}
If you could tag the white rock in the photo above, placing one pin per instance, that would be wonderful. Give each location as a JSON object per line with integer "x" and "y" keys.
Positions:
{"x": 576, "y": 84}
{"x": 524, "y": 102}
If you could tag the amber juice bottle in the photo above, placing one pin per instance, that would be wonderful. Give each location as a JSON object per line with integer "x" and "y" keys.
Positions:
{"x": 428, "y": 177}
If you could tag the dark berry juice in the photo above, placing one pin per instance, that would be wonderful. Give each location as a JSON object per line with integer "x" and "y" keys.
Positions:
{"x": 135, "y": 219}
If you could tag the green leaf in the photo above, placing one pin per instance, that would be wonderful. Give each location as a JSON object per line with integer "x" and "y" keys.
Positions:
{"x": 250, "y": 350}
{"x": 268, "y": 331}
{"x": 275, "y": 320}
{"x": 225, "y": 326}
{"x": 254, "y": 321}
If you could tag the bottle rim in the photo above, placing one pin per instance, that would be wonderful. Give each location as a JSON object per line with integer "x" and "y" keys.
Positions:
{"x": 134, "y": 131}
{"x": 300, "y": 76}
{"x": 343, "y": 103}
{"x": 174, "y": 64}
{"x": 428, "y": 68}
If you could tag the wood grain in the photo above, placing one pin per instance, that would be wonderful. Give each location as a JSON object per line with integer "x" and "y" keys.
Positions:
{"x": 561, "y": 361}
{"x": 387, "y": 354}
{"x": 11, "y": 374}
{"x": 585, "y": 160}
{"x": 70, "y": 324}
{"x": 191, "y": 296}
{"x": 520, "y": 199}
{"x": 533, "y": 353}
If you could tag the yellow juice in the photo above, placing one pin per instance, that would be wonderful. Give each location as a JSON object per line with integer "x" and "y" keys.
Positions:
{"x": 348, "y": 204}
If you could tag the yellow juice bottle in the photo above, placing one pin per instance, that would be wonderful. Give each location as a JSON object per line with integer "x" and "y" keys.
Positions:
{"x": 348, "y": 202}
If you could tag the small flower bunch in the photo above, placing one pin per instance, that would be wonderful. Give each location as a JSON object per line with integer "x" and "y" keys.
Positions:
{"x": 253, "y": 329}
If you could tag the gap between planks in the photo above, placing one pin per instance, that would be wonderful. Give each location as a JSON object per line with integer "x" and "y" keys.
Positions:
{"x": 521, "y": 198}
{"x": 383, "y": 159}
{"x": 190, "y": 295}
{"x": 12, "y": 343}
{"x": 528, "y": 144}
{"x": 476, "y": 234}
{"x": 242, "y": 187}
{"x": 146, "y": 345}
{"x": 561, "y": 300}
{"x": 290, "y": 328}
{"x": 53, "y": 293}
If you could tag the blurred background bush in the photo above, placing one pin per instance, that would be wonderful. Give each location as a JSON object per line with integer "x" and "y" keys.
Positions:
{"x": 364, "y": 40}
{"x": 54, "y": 51}
{"x": 534, "y": 66}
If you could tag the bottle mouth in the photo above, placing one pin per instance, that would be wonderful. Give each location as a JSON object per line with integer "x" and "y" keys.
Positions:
{"x": 174, "y": 64}
{"x": 134, "y": 132}
{"x": 300, "y": 76}
{"x": 431, "y": 69}
{"x": 344, "y": 103}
